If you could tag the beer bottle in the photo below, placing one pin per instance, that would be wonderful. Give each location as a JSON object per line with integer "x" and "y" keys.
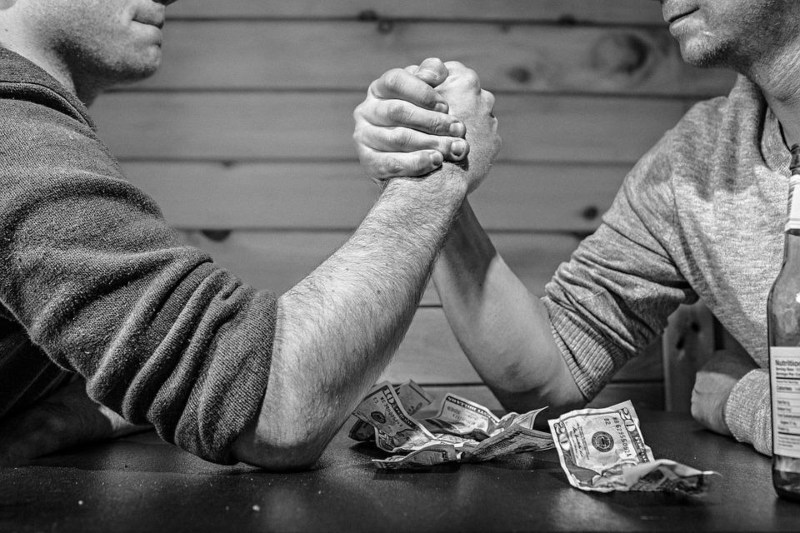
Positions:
{"x": 783, "y": 324}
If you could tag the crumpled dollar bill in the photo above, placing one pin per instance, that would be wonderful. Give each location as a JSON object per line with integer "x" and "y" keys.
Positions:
{"x": 603, "y": 450}
{"x": 462, "y": 431}
{"x": 599, "y": 449}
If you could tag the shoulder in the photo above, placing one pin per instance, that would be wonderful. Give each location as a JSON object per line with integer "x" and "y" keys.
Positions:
{"x": 680, "y": 163}
{"x": 40, "y": 123}
{"x": 41, "y": 120}
{"x": 48, "y": 156}
{"x": 714, "y": 126}
{"x": 712, "y": 131}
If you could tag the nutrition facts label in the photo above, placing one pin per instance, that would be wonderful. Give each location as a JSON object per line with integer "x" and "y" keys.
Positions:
{"x": 784, "y": 375}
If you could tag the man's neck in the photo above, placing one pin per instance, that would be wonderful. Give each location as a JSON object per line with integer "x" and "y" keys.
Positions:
{"x": 779, "y": 81}
{"x": 57, "y": 70}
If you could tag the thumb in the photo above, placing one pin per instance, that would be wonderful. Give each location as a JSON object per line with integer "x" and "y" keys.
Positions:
{"x": 432, "y": 71}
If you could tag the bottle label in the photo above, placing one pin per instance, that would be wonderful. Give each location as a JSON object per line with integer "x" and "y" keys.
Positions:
{"x": 784, "y": 375}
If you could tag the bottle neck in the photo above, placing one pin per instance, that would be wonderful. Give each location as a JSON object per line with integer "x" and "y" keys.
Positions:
{"x": 791, "y": 247}
{"x": 793, "y": 222}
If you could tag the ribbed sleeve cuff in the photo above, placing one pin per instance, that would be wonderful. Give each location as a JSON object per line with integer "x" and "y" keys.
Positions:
{"x": 591, "y": 359}
{"x": 748, "y": 411}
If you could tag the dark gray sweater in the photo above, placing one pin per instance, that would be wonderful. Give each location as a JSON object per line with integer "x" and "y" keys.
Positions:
{"x": 93, "y": 281}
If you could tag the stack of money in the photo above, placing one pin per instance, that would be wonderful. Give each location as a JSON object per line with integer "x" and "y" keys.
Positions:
{"x": 462, "y": 431}
{"x": 603, "y": 450}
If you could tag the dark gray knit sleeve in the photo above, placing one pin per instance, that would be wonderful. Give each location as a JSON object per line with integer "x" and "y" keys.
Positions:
{"x": 100, "y": 282}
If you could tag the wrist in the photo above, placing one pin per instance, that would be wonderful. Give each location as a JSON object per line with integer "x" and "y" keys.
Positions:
{"x": 447, "y": 183}
{"x": 746, "y": 404}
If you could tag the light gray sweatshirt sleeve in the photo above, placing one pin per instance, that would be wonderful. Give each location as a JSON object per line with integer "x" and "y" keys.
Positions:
{"x": 617, "y": 291}
{"x": 615, "y": 294}
{"x": 748, "y": 411}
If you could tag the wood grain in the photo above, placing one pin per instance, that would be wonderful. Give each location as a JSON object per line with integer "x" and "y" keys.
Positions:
{"x": 277, "y": 260}
{"x": 299, "y": 126}
{"x": 535, "y": 196}
{"x": 317, "y": 56}
{"x": 565, "y": 11}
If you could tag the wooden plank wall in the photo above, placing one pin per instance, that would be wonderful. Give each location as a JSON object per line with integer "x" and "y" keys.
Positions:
{"x": 244, "y": 136}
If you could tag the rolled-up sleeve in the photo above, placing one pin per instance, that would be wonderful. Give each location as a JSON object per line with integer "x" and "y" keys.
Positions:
{"x": 616, "y": 293}
{"x": 99, "y": 281}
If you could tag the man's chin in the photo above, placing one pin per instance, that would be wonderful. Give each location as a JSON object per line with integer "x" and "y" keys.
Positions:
{"x": 138, "y": 71}
{"x": 702, "y": 56}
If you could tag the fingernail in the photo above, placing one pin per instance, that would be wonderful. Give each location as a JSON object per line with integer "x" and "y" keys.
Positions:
{"x": 427, "y": 75}
{"x": 457, "y": 129}
{"x": 440, "y": 107}
{"x": 436, "y": 158}
{"x": 458, "y": 148}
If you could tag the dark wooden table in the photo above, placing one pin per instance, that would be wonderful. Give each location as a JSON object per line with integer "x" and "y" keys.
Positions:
{"x": 143, "y": 484}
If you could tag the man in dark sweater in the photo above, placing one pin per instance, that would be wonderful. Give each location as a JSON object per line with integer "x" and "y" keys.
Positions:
{"x": 108, "y": 321}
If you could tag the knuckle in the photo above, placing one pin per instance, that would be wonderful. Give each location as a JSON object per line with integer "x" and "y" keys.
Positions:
{"x": 471, "y": 78}
{"x": 358, "y": 112}
{"x": 366, "y": 135}
{"x": 389, "y": 166}
{"x": 401, "y": 138}
{"x": 375, "y": 87}
{"x": 358, "y": 137}
{"x": 393, "y": 79}
{"x": 440, "y": 126}
{"x": 418, "y": 165}
{"x": 396, "y": 112}
{"x": 367, "y": 157}
{"x": 428, "y": 99}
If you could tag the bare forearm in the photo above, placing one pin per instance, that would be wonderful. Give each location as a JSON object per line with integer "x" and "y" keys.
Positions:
{"x": 338, "y": 328}
{"x": 503, "y": 329}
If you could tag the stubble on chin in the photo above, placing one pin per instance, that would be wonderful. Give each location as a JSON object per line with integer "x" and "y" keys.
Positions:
{"x": 703, "y": 52}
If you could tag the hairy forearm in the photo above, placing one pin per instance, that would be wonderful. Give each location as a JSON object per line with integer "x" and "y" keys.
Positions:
{"x": 338, "y": 328}
{"x": 503, "y": 329}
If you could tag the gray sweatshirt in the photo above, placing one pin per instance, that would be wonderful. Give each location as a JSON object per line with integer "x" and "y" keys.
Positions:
{"x": 700, "y": 216}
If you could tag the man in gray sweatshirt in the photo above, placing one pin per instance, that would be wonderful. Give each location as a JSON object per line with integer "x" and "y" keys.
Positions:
{"x": 700, "y": 216}
{"x": 108, "y": 321}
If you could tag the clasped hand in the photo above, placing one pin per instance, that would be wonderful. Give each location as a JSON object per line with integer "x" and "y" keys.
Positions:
{"x": 415, "y": 119}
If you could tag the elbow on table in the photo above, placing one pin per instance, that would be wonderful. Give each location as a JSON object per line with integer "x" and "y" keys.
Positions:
{"x": 547, "y": 381}
{"x": 559, "y": 396}
{"x": 281, "y": 453}
{"x": 287, "y": 459}
{"x": 521, "y": 403}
